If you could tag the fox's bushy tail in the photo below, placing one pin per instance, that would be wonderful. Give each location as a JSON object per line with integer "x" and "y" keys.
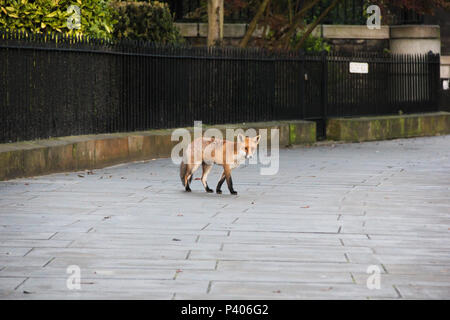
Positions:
{"x": 183, "y": 168}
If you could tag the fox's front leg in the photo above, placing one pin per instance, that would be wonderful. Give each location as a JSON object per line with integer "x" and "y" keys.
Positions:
{"x": 219, "y": 185}
{"x": 227, "y": 176}
{"x": 206, "y": 169}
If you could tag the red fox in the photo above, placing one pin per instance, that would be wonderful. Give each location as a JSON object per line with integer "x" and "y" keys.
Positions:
{"x": 207, "y": 151}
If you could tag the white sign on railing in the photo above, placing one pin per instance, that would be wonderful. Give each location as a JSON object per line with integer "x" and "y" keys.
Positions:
{"x": 359, "y": 67}
{"x": 445, "y": 85}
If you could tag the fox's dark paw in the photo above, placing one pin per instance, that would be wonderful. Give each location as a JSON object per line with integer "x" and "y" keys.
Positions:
{"x": 188, "y": 189}
{"x": 219, "y": 191}
{"x": 233, "y": 192}
{"x": 209, "y": 190}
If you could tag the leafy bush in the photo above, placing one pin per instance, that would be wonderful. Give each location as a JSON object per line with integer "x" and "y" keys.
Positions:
{"x": 312, "y": 44}
{"x": 146, "y": 21}
{"x": 39, "y": 16}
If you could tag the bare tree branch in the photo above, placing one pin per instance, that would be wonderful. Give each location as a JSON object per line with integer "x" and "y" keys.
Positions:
{"x": 283, "y": 41}
{"x": 315, "y": 23}
{"x": 253, "y": 24}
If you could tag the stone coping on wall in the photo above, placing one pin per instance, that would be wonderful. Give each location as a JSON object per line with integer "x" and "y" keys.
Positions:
{"x": 237, "y": 30}
{"x": 388, "y": 127}
{"x": 415, "y": 32}
{"x": 30, "y": 158}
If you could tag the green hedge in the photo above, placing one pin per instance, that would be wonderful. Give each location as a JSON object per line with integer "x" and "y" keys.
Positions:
{"x": 39, "y": 16}
{"x": 150, "y": 21}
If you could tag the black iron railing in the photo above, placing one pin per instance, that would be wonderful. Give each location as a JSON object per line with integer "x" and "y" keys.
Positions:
{"x": 58, "y": 86}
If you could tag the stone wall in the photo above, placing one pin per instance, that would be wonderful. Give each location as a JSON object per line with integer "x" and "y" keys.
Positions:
{"x": 409, "y": 39}
{"x": 388, "y": 127}
{"x": 343, "y": 38}
{"x": 31, "y": 158}
{"x": 350, "y": 39}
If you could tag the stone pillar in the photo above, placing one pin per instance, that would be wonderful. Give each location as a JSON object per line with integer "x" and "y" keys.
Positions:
{"x": 411, "y": 39}
{"x": 445, "y": 67}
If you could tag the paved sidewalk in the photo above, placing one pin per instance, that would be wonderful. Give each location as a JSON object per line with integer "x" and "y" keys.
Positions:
{"x": 309, "y": 232}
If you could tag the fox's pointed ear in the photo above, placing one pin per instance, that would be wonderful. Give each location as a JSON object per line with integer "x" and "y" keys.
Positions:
{"x": 257, "y": 138}
{"x": 240, "y": 138}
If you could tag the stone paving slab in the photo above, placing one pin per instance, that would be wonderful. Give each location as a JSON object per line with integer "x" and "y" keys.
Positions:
{"x": 309, "y": 232}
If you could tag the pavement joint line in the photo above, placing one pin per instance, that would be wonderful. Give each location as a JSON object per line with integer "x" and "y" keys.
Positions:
{"x": 188, "y": 254}
{"x": 398, "y": 291}
{"x": 342, "y": 242}
{"x": 205, "y": 226}
{"x": 353, "y": 278}
{"x": 235, "y": 220}
{"x": 384, "y": 268}
{"x": 339, "y": 230}
{"x": 216, "y": 265}
{"x": 48, "y": 262}
{"x": 95, "y": 278}
{"x": 228, "y": 233}
{"x": 21, "y": 284}
{"x": 72, "y": 223}
{"x": 293, "y": 232}
{"x": 345, "y": 282}
{"x": 346, "y": 257}
{"x": 28, "y": 252}
{"x": 52, "y": 236}
{"x": 174, "y": 295}
{"x": 339, "y": 217}
{"x": 198, "y": 238}
{"x": 70, "y": 243}
{"x": 221, "y": 247}
{"x": 208, "y": 290}
{"x": 279, "y": 261}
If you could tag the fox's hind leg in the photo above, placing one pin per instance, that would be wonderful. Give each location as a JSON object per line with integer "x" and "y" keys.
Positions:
{"x": 206, "y": 169}
{"x": 226, "y": 175}
{"x": 188, "y": 177}
{"x": 227, "y": 172}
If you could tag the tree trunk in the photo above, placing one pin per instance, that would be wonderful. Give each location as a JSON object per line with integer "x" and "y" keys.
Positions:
{"x": 215, "y": 22}
{"x": 253, "y": 24}
{"x": 314, "y": 24}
